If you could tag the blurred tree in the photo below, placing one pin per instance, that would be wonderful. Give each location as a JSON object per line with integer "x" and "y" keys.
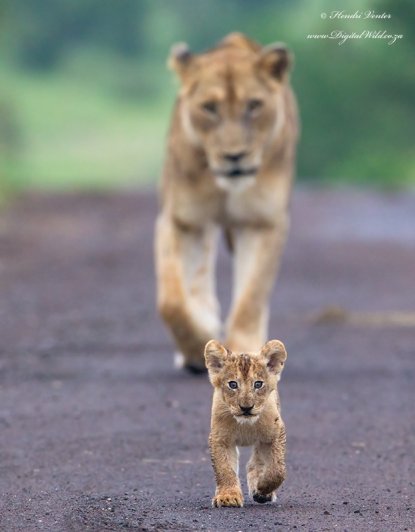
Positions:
{"x": 356, "y": 100}
{"x": 41, "y": 31}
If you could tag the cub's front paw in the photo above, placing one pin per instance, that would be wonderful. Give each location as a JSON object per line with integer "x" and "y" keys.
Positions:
{"x": 230, "y": 497}
{"x": 264, "y": 497}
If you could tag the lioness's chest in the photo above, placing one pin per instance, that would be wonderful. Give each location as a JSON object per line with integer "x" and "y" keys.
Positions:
{"x": 255, "y": 205}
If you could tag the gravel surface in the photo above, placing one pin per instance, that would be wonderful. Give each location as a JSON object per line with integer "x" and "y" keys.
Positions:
{"x": 98, "y": 431}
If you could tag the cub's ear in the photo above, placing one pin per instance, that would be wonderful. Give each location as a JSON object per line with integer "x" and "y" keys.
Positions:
{"x": 180, "y": 58}
{"x": 215, "y": 355}
{"x": 275, "y": 355}
{"x": 276, "y": 60}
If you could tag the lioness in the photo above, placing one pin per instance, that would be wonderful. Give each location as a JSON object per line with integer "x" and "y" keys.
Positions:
{"x": 230, "y": 164}
{"x": 246, "y": 411}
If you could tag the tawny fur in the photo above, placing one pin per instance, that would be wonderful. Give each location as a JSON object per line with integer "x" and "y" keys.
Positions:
{"x": 263, "y": 429}
{"x": 198, "y": 197}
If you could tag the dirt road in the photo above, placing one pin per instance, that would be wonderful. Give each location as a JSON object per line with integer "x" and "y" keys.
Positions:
{"x": 98, "y": 431}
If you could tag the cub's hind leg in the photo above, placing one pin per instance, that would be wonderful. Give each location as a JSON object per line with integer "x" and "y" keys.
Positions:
{"x": 255, "y": 469}
{"x": 266, "y": 469}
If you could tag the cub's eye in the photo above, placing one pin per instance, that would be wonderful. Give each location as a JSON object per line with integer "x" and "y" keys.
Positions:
{"x": 210, "y": 107}
{"x": 232, "y": 385}
{"x": 254, "y": 105}
{"x": 258, "y": 385}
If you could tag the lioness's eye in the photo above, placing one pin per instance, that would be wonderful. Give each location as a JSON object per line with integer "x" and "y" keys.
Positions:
{"x": 232, "y": 385}
{"x": 258, "y": 385}
{"x": 210, "y": 107}
{"x": 254, "y": 105}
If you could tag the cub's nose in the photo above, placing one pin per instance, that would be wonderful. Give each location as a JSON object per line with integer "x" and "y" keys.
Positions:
{"x": 246, "y": 409}
{"x": 234, "y": 157}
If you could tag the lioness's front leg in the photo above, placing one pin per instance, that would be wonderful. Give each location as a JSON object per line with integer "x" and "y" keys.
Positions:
{"x": 266, "y": 468}
{"x": 225, "y": 465}
{"x": 185, "y": 286}
{"x": 257, "y": 257}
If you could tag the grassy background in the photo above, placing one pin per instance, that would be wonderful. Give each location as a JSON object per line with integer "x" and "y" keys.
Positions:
{"x": 77, "y": 134}
{"x": 85, "y": 98}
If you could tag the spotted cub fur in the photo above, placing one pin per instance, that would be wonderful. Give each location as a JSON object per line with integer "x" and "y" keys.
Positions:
{"x": 246, "y": 412}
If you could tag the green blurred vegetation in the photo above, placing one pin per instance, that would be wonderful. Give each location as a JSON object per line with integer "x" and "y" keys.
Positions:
{"x": 85, "y": 97}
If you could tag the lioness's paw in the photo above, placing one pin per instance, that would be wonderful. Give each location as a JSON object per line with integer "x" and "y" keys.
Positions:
{"x": 264, "y": 497}
{"x": 228, "y": 498}
{"x": 196, "y": 368}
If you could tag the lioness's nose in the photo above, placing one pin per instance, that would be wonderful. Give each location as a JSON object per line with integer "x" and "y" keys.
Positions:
{"x": 246, "y": 409}
{"x": 234, "y": 157}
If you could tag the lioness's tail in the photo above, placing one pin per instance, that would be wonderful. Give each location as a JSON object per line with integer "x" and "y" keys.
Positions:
{"x": 227, "y": 233}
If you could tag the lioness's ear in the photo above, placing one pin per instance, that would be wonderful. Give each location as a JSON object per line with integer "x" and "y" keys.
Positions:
{"x": 215, "y": 355}
{"x": 180, "y": 58}
{"x": 275, "y": 59}
{"x": 275, "y": 355}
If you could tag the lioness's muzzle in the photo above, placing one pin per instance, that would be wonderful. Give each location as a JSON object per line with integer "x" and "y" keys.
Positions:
{"x": 237, "y": 172}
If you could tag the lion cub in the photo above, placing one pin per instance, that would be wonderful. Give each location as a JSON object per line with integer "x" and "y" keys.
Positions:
{"x": 246, "y": 411}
